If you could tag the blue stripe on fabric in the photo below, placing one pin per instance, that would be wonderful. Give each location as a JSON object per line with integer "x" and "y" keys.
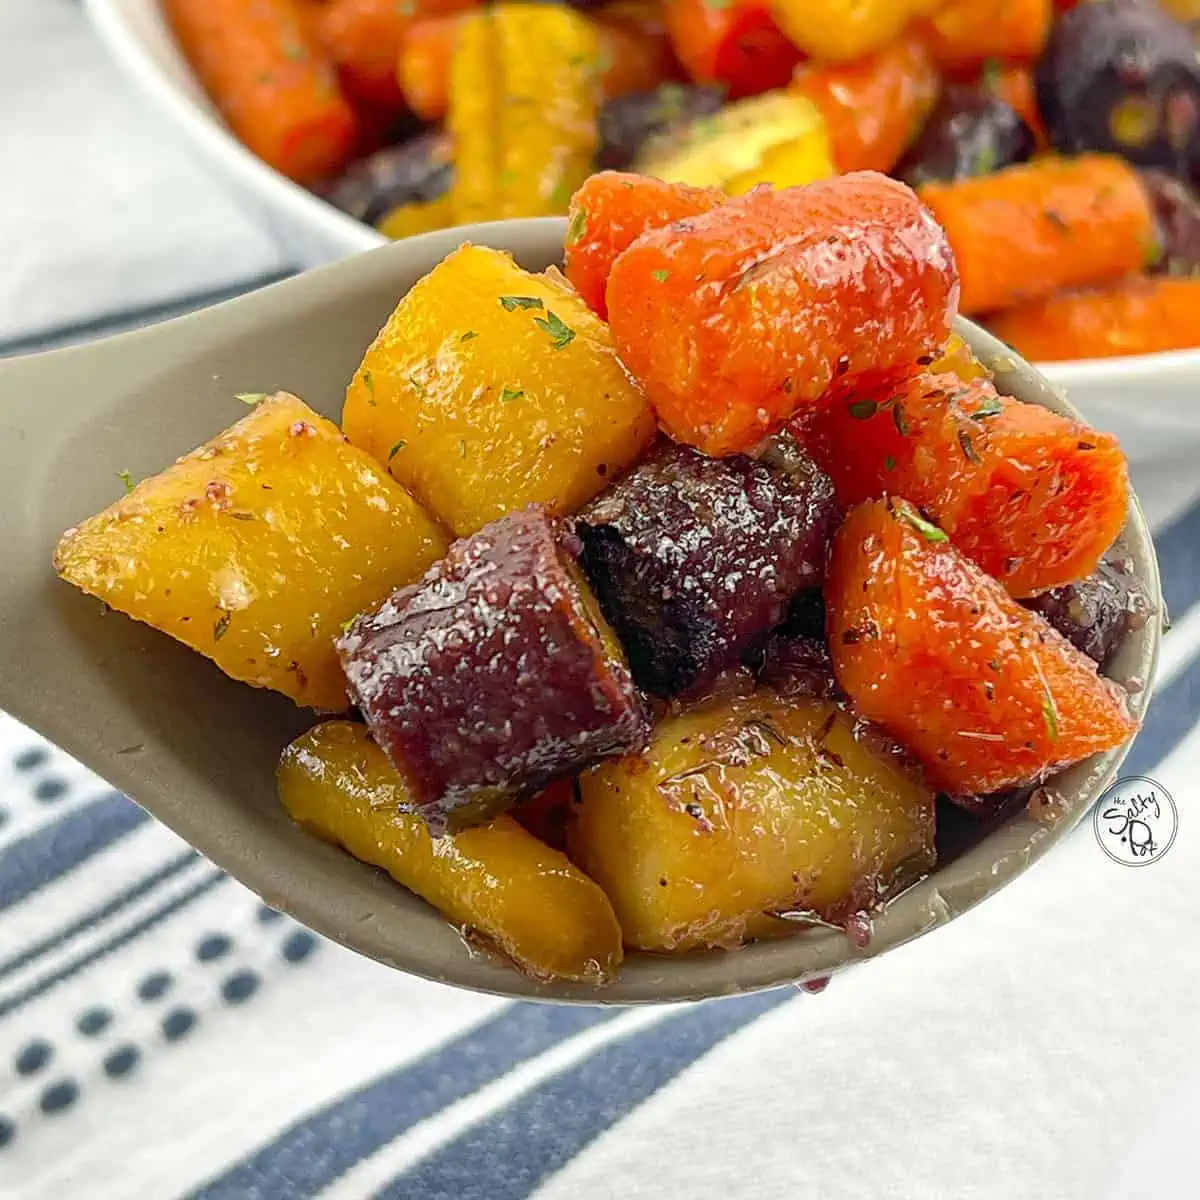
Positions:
{"x": 1173, "y": 715}
{"x": 155, "y": 917}
{"x": 91, "y": 919}
{"x": 38, "y": 859}
{"x": 316, "y": 1151}
{"x": 1178, "y": 546}
{"x": 542, "y": 1131}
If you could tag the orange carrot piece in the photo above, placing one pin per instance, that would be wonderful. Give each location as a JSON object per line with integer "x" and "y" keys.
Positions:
{"x": 735, "y": 320}
{"x": 364, "y": 38}
{"x": 984, "y": 692}
{"x": 1133, "y": 316}
{"x": 735, "y": 43}
{"x": 1034, "y": 498}
{"x": 278, "y": 92}
{"x": 967, "y": 33}
{"x": 635, "y": 49}
{"x": 610, "y": 212}
{"x": 1014, "y": 85}
{"x": 875, "y": 106}
{"x": 423, "y": 69}
{"x": 1032, "y": 229}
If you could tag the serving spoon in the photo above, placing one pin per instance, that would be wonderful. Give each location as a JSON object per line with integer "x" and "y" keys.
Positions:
{"x": 198, "y": 751}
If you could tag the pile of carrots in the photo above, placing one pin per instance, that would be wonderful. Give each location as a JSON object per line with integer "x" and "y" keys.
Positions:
{"x": 1057, "y": 253}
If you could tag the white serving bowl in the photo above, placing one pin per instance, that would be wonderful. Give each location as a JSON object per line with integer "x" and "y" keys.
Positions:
{"x": 1151, "y": 402}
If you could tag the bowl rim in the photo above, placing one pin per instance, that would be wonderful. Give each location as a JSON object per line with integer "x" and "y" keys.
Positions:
{"x": 201, "y": 122}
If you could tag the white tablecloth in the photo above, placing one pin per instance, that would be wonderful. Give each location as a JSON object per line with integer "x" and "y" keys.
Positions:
{"x": 163, "y": 1035}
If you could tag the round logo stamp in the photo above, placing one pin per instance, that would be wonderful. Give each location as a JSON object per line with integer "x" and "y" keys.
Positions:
{"x": 1135, "y": 821}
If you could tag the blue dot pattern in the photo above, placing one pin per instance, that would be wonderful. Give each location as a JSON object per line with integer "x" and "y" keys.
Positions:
{"x": 240, "y": 986}
{"x": 3, "y": 817}
{"x": 59, "y": 1096}
{"x": 33, "y": 1057}
{"x": 50, "y": 789}
{"x": 216, "y": 945}
{"x": 154, "y": 986}
{"x": 298, "y": 946}
{"x": 121, "y": 1061}
{"x": 178, "y": 1023}
{"x": 94, "y": 1021}
{"x": 29, "y": 760}
{"x": 8, "y": 1132}
{"x": 268, "y": 915}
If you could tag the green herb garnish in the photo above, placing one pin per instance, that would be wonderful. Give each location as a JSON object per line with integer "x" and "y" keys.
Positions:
{"x": 967, "y": 446}
{"x": 510, "y": 394}
{"x": 512, "y": 303}
{"x": 466, "y": 337}
{"x": 927, "y": 529}
{"x": 417, "y": 384}
{"x": 250, "y": 398}
{"x": 889, "y": 463}
{"x": 1050, "y": 716}
{"x": 577, "y": 227}
{"x": 861, "y": 410}
{"x": 901, "y": 419}
{"x": 396, "y": 449}
{"x": 462, "y": 448}
{"x": 221, "y": 627}
{"x": 369, "y": 383}
{"x": 661, "y": 276}
{"x": 347, "y": 625}
{"x": 560, "y": 334}
{"x": 127, "y": 479}
{"x": 991, "y": 407}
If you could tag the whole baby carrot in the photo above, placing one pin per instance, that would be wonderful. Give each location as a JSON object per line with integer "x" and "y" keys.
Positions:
{"x": 1032, "y": 497}
{"x": 1132, "y": 316}
{"x": 967, "y": 33}
{"x": 610, "y": 212}
{"x": 1025, "y": 232}
{"x": 874, "y": 106}
{"x": 276, "y": 89}
{"x": 735, "y": 320}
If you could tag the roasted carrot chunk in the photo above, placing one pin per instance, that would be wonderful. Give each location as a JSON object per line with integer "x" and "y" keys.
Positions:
{"x": 984, "y": 692}
{"x": 874, "y": 106}
{"x": 736, "y": 43}
{"x": 735, "y": 320}
{"x": 1032, "y": 229}
{"x": 1132, "y": 316}
{"x": 1033, "y": 498}
{"x": 610, "y": 212}
{"x": 965, "y": 33}
{"x": 277, "y": 90}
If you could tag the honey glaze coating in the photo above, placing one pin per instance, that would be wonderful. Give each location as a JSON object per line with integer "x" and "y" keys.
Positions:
{"x": 493, "y": 674}
{"x": 694, "y": 559}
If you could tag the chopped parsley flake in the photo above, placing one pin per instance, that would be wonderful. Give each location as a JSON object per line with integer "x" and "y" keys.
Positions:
{"x": 396, "y": 449}
{"x": 927, "y": 529}
{"x": 1050, "y": 716}
{"x": 661, "y": 275}
{"x": 127, "y": 479}
{"x": 968, "y": 446}
{"x": 577, "y": 227}
{"x": 466, "y": 337}
{"x": 512, "y": 303}
{"x": 889, "y": 463}
{"x": 991, "y": 407}
{"x": 462, "y": 448}
{"x": 510, "y": 394}
{"x": 560, "y": 334}
{"x": 860, "y": 410}
{"x": 901, "y": 419}
{"x": 251, "y": 398}
{"x": 221, "y": 627}
{"x": 369, "y": 383}
{"x": 417, "y": 384}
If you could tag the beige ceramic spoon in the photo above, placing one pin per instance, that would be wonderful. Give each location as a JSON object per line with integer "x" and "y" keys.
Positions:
{"x": 199, "y": 751}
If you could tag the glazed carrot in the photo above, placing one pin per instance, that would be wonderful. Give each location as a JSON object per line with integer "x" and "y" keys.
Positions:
{"x": 312, "y": 13}
{"x": 364, "y": 38}
{"x": 875, "y": 106}
{"x": 984, "y": 692}
{"x": 635, "y": 51}
{"x": 967, "y": 33}
{"x": 1032, "y": 229}
{"x": 1132, "y": 316}
{"x": 736, "y": 43}
{"x": 845, "y": 30}
{"x": 610, "y": 212}
{"x": 1034, "y": 498}
{"x": 277, "y": 91}
{"x": 1014, "y": 85}
{"x": 735, "y": 320}
{"x": 423, "y": 68}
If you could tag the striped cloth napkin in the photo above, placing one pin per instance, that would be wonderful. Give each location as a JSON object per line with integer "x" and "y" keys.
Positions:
{"x": 164, "y": 1035}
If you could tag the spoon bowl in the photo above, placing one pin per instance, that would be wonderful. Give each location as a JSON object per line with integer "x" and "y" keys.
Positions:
{"x": 198, "y": 750}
